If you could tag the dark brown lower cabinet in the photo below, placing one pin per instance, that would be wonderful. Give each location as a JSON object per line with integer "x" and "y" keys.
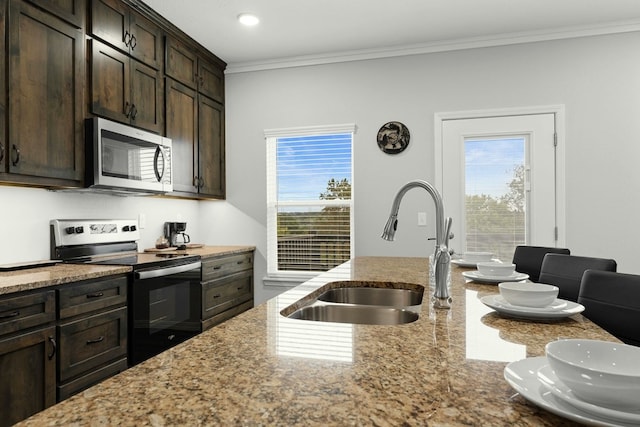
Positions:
{"x": 28, "y": 369}
{"x": 92, "y": 333}
{"x": 227, "y": 287}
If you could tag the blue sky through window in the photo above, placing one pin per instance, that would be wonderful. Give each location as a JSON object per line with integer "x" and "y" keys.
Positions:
{"x": 306, "y": 164}
{"x": 489, "y": 164}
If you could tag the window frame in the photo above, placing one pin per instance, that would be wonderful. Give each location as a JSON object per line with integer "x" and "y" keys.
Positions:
{"x": 271, "y": 137}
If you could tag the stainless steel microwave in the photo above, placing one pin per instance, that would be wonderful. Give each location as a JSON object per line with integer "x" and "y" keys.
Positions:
{"x": 124, "y": 159}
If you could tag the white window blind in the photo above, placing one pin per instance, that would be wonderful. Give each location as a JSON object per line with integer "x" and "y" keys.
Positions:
{"x": 309, "y": 199}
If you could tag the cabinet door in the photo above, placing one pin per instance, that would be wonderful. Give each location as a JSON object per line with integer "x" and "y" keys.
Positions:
{"x": 110, "y": 22}
{"x": 211, "y": 80}
{"x": 110, "y": 86}
{"x": 211, "y": 163}
{"x": 146, "y": 42}
{"x": 46, "y": 60}
{"x": 28, "y": 366}
{"x": 4, "y": 156}
{"x": 72, "y": 11}
{"x": 92, "y": 341}
{"x": 182, "y": 63}
{"x": 146, "y": 97}
{"x": 182, "y": 127}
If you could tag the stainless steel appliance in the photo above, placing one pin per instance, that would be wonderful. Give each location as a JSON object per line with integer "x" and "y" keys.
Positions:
{"x": 164, "y": 294}
{"x": 175, "y": 233}
{"x": 121, "y": 158}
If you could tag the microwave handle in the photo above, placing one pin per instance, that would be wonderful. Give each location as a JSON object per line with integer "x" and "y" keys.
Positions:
{"x": 167, "y": 271}
{"x": 159, "y": 174}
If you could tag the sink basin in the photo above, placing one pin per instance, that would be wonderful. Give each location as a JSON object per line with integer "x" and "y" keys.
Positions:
{"x": 387, "y": 297}
{"x": 361, "y": 314}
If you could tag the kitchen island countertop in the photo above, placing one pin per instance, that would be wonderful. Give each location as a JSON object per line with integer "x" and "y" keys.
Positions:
{"x": 261, "y": 368}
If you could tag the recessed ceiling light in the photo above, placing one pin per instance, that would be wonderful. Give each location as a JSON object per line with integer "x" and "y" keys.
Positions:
{"x": 248, "y": 19}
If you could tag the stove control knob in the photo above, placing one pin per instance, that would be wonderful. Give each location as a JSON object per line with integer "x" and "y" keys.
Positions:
{"x": 125, "y": 228}
{"x": 79, "y": 230}
{"x": 133, "y": 228}
{"x": 70, "y": 230}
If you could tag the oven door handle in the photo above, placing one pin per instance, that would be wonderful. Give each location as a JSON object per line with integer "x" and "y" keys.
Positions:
{"x": 167, "y": 271}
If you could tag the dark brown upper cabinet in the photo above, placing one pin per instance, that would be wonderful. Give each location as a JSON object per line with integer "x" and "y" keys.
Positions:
{"x": 124, "y": 89}
{"x": 72, "y": 11}
{"x": 191, "y": 68}
{"x": 115, "y": 23}
{"x": 45, "y": 112}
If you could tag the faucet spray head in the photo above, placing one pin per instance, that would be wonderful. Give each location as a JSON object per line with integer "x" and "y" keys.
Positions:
{"x": 390, "y": 228}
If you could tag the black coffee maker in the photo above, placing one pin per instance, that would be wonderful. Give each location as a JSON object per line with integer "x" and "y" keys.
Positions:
{"x": 175, "y": 233}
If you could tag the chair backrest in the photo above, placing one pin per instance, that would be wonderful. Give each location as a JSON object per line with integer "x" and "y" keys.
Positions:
{"x": 565, "y": 271}
{"x": 528, "y": 259}
{"x": 612, "y": 301}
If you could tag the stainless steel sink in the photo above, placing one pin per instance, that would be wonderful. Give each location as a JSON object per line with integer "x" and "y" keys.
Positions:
{"x": 388, "y": 297}
{"x": 360, "y": 314}
{"x": 361, "y": 302}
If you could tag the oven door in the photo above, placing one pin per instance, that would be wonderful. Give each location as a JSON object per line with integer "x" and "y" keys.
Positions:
{"x": 165, "y": 308}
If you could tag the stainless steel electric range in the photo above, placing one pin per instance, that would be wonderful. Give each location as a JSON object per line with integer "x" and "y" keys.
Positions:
{"x": 164, "y": 295}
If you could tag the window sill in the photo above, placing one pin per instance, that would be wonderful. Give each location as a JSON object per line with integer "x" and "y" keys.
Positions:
{"x": 286, "y": 281}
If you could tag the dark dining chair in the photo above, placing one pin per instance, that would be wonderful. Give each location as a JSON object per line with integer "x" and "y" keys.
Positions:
{"x": 612, "y": 301}
{"x": 528, "y": 259}
{"x": 565, "y": 271}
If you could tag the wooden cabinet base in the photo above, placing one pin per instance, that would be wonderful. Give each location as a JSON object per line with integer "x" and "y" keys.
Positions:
{"x": 94, "y": 377}
{"x": 226, "y": 315}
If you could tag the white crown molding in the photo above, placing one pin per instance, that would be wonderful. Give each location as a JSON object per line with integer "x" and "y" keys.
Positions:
{"x": 441, "y": 46}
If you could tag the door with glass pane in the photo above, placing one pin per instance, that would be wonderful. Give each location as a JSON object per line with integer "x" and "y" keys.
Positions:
{"x": 499, "y": 182}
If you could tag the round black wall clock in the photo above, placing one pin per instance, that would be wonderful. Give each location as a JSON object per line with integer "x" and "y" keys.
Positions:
{"x": 393, "y": 138}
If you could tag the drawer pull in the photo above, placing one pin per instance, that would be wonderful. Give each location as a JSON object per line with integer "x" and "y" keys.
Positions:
{"x": 240, "y": 262}
{"x": 217, "y": 296}
{"x": 240, "y": 288}
{"x": 54, "y": 347}
{"x": 7, "y": 316}
{"x": 96, "y": 295}
{"x": 217, "y": 267}
{"x": 97, "y": 340}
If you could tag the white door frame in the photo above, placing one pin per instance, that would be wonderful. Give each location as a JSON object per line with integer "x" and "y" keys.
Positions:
{"x": 559, "y": 113}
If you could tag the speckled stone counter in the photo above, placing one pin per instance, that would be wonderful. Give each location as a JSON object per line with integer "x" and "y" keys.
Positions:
{"x": 58, "y": 274}
{"x": 261, "y": 368}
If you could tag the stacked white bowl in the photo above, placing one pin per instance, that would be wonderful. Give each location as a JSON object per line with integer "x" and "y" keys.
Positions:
{"x": 494, "y": 268}
{"x": 602, "y": 373}
{"x": 528, "y": 294}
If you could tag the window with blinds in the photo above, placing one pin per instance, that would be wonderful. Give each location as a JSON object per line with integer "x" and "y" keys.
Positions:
{"x": 309, "y": 198}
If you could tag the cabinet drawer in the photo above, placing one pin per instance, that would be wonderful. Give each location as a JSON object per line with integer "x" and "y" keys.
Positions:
{"x": 222, "y": 294}
{"x": 217, "y": 267}
{"x": 226, "y": 315}
{"x": 78, "y": 299}
{"x": 26, "y": 311}
{"x": 94, "y": 377}
{"x": 89, "y": 342}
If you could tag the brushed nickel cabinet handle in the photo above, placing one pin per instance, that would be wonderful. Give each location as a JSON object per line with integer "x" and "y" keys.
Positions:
{"x": 97, "y": 340}
{"x": 10, "y": 315}
{"x": 54, "y": 347}
{"x": 95, "y": 295}
{"x": 16, "y": 150}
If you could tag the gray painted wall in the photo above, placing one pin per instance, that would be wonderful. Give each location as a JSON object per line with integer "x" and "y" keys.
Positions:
{"x": 597, "y": 79}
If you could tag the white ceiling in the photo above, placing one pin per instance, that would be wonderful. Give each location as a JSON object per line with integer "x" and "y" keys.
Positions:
{"x": 297, "y": 32}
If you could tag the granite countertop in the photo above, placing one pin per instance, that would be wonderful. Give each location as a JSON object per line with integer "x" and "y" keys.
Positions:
{"x": 261, "y": 368}
{"x": 58, "y": 274}
{"x": 212, "y": 251}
